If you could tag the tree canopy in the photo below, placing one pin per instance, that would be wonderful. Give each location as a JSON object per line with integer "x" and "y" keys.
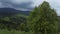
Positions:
{"x": 43, "y": 19}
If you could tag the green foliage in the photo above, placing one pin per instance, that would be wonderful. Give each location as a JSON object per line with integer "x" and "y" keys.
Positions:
{"x": 43, "y": 19}
{"x": 5, "y": 31}
{"x": 12, "y": 22}
{"x": 5, "y": 19}
{"x": 22, "y": 27}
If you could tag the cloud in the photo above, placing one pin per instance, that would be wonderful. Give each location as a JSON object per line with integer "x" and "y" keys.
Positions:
{"x": 37, "y": 2}
{"x": 1, "y": 4}
{"x": 19, "y": 1}
{"x": 17, "y": 4}
{"x": 55, "y": 4}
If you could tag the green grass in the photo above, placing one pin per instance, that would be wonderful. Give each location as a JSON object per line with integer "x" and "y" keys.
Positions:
{"x": 14, "y": 32}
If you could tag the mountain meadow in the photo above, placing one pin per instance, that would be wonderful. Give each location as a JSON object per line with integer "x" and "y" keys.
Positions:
{"x": 41, "y": 20}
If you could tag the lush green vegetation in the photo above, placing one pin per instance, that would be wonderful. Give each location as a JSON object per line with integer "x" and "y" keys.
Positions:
{"x": 42, "y": 20}
{"x": 5, "y": 31}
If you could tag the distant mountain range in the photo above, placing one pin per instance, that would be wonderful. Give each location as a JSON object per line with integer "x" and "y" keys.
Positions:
{"x": 11, "y": 12}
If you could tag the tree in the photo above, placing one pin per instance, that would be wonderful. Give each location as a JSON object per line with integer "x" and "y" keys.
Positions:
{"x": 22, "y": 27}
{"x": 6, "y": 19}
{"x": 43, "y": 19}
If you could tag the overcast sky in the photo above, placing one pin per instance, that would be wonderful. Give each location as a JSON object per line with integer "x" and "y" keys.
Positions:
{"x": 29, "y": 4}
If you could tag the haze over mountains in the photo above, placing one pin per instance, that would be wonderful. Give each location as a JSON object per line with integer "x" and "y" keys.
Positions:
{"x": 11, "y": 12}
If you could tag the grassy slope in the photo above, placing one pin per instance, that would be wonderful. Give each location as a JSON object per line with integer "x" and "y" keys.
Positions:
{"x": 14, "y": 32}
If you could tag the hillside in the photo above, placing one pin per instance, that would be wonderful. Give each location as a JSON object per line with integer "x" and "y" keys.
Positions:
{"x": 12, "y": 18}
{"x": 11, "y": 12}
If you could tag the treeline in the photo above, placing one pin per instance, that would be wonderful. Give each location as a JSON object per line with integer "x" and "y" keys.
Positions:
{"x": 42, "y": 20}
{"x": 16, "y": 22}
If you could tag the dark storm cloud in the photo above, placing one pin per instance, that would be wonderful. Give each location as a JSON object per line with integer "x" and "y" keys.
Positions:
{"x": 17, "y": 4}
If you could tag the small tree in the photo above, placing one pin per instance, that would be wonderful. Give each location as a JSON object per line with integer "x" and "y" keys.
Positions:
{"x": 22, "y": 27}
